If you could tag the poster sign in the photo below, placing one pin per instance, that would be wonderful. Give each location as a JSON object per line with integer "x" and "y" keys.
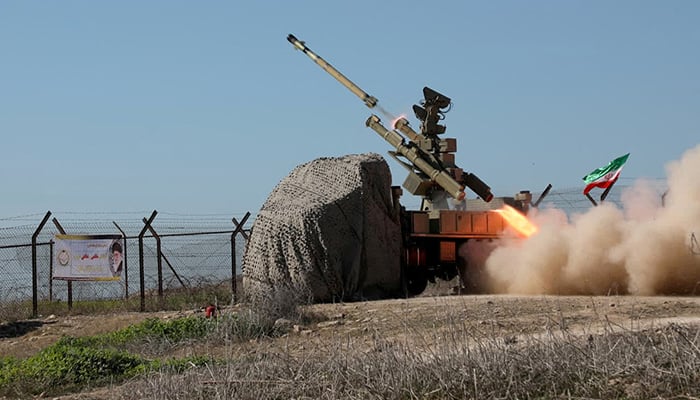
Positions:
{"x": 88, "y": 257}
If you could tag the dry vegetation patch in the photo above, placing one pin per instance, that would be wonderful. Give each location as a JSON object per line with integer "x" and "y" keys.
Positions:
{"x": 462, "y": 347}
{"x": 441, "y": 347}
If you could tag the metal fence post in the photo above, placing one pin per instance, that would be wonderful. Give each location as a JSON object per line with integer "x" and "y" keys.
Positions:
{"x": 126, "y": 271}
{"x": 161, "y": 256}
{"x": 159, "y": 261}
{"x": 35, "y": 275}
{"x": 50, "y": 271}
{"x": 141, "y": 266}
{"x": 238, "y": 229}
{"x": 69, "y": 282}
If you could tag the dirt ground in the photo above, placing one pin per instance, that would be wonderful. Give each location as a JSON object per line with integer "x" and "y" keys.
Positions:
{"x": 422, "y": 323}
{"x": 423, "y": 320}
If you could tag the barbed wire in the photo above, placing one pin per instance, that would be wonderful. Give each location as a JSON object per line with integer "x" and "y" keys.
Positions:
{"x": 567, "y": 198}
{"x": 196, "y": 261}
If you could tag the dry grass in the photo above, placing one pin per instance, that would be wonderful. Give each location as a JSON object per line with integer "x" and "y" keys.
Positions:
{"x": 432, "y": 348}
{"x": 173, "y": 299}
{"x": 464, "y": 364}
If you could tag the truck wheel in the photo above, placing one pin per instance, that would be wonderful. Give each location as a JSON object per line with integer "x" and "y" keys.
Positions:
{"x": 448, "y": 273}
{"x": 416, "y": 282}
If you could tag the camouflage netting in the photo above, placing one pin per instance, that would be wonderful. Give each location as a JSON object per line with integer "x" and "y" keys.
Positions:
{"x": 326, "y": 233}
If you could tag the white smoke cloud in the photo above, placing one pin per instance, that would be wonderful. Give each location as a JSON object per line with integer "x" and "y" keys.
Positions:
{"x": 641, "y": 248}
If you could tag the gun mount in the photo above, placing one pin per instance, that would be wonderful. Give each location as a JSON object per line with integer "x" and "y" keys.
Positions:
{"x": 432, "y": 238}
{"x": 429, "y": 159}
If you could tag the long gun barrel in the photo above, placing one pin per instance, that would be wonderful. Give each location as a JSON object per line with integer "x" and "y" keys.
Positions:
{"x": 370, "y": 101}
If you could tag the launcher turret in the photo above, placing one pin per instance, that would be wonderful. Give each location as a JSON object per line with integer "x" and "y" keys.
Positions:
{"x": 429, "y": 159}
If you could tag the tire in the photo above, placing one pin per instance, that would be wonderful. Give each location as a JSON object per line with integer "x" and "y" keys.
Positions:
{"x": 416, "y": 282}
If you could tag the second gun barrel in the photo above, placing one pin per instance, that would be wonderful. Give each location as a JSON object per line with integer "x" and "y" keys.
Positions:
{"x": 441, "y": 177}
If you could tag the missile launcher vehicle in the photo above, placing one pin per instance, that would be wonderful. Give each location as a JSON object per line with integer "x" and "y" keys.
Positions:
{"x": 434, "y": 236}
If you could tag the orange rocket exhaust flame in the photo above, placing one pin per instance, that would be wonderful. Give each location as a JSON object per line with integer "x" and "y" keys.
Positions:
{"x": 517, "y": 221}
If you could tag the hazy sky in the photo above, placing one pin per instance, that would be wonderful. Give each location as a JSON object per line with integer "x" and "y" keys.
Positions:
{"x": 203, "y": 107}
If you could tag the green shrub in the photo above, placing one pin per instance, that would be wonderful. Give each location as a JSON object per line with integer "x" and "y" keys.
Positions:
{"x": 8, "y": 370}
{"x": 72, "y": 363}
{"x": 173, "y": 331}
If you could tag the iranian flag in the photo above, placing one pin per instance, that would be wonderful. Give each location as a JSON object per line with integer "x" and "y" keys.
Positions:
{"x": 604, "y": 177}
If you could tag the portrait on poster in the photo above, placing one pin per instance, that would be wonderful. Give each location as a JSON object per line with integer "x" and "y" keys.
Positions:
{"x": 88, "y": 257}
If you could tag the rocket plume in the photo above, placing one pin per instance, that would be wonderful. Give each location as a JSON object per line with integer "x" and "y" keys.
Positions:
{"x": 641, "y": 248}
{"x": 517, "y": 221}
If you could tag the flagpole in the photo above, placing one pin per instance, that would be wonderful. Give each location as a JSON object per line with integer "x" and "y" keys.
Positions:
{"x": 607, "y": 190}
{"x": 591, "y": 199}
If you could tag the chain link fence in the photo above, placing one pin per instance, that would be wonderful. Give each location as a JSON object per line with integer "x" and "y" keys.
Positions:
{"x": 187, "y": 261}
{"x": 194, "y": 261}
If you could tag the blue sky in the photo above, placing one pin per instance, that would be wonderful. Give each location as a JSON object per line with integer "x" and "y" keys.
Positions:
{"x": 203, "y": 107}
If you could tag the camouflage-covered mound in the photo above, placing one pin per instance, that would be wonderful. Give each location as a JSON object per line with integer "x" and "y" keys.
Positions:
{"x": 326, "y": 233}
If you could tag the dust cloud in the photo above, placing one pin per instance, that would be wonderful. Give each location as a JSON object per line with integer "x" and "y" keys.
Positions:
{"x": 643, "y": 247}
